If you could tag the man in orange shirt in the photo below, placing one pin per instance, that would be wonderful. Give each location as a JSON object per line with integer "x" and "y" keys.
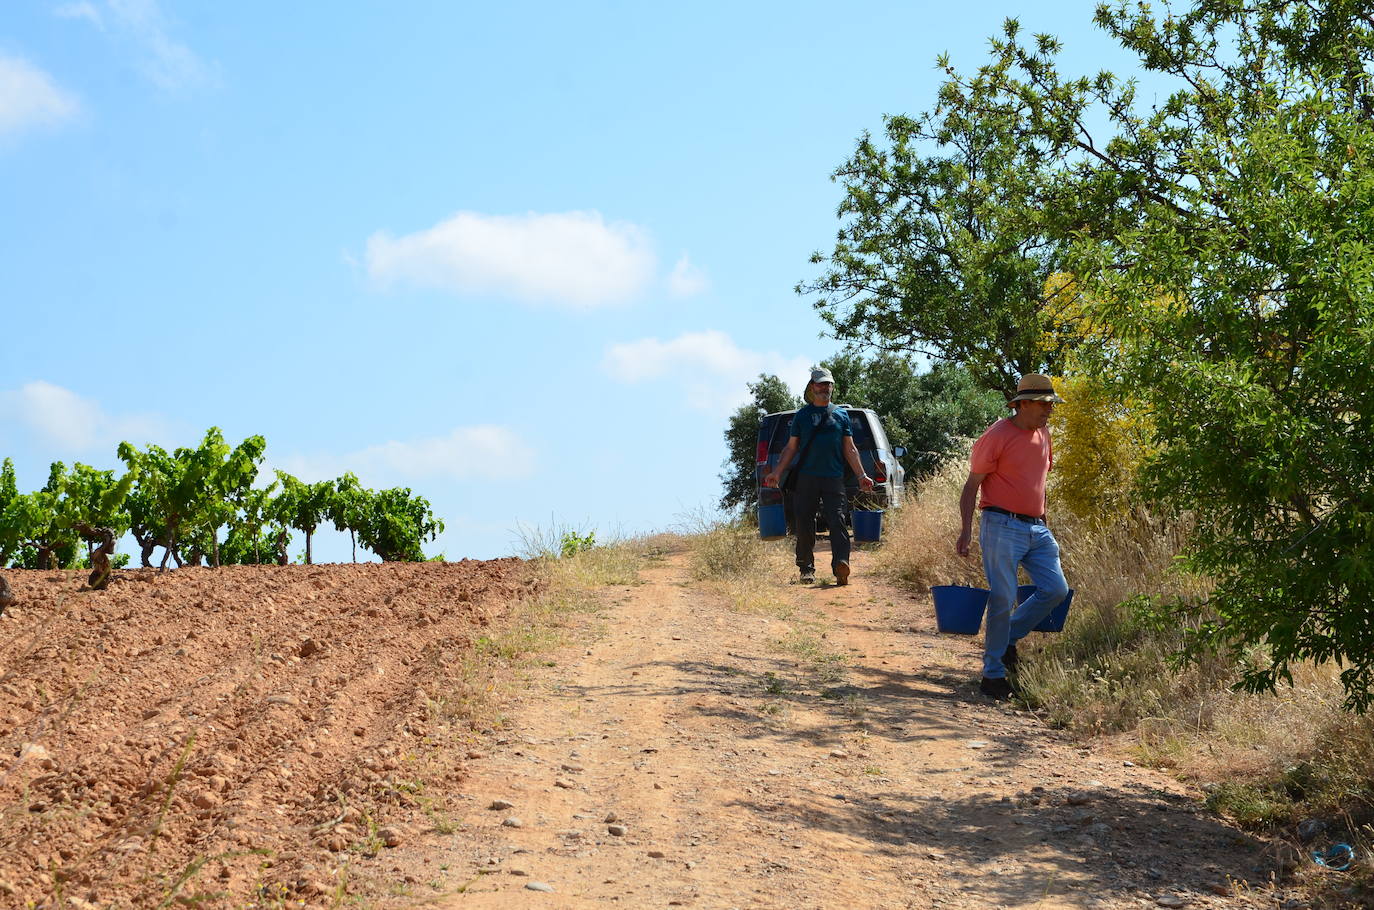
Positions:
{"x": 1009, "y": 465}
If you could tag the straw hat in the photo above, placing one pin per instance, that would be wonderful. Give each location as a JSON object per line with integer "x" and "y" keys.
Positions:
{"x": 1035, "y": 387}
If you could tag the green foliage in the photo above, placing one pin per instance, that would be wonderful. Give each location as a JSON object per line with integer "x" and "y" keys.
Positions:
{"x": 182, "y": 500}
{"x": 1256, "y": 375}
{"x": 396, "y": 523}
{"x": 1219, "y": 237}
{"x": 768, "y": 395}
{"x": 945, "y": 248}
{"x": 348, "y": 507}
{"x": 573, "y": 543}
{"x": 303, "y": 506}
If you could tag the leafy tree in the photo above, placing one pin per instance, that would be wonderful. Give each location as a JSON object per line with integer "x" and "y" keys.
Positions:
{"x": 348, "y": 507}
{"x": 247, "y": 541}
{"x": 165, "y": 499}
{"x": 396, "y": 523}
{"x": 302, "y": 506}
{"x": 769, "y": 394}
{"x": 147, "y": 525}
{"x": 12, "y": 525}
{"x": 948, "y": 239}
{"x": 229, "y": 476}
{"x": 1223, "y": 236}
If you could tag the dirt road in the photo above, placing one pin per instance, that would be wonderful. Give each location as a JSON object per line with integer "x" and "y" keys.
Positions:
{"x": 834, "y": 753}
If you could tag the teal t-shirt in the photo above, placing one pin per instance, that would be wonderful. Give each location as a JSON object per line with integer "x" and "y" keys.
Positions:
{"x": 825, "y": 457}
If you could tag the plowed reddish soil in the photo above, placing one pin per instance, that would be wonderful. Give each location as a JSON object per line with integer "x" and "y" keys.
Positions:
{"x": 223, "y": 731}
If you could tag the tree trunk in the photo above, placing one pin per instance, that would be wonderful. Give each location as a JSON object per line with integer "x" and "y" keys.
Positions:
{"x": 214, "y": 542}
{"x": 307, "y": 548}
{"x": 6, "y": 594}
{"x": 353, "y": 537}
{"x": 100, "y": 556}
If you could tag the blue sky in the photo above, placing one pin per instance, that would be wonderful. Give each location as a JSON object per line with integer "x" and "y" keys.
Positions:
{"x": 521, "y": 258}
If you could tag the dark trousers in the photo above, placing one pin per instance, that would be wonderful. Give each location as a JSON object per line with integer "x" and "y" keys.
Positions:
{"x": 828, "y": 492}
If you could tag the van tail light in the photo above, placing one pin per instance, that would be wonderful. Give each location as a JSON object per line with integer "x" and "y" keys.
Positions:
{"x": 762, "y": 457}
{"x": 879, "y": 471}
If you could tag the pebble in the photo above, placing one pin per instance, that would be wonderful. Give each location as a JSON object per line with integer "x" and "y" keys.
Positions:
{"x": 390, "y": 837}
{"x": 1079, "y": 798}
{"x": 656, "y": 854}
{"x": 611, "y": 817}
{"x": 538, "y": 886}
{"x": 513, "y": 822}
{"x": 1171, "y": 900}
{"x": 617, "y": 830}
{"x": 32, "y": 752}
{"x": 205, "y": 800}
{"x": 572, "y": 768}
{"x": 838, "y": 753}
{"x": 498, "y": 804}
{"x": 564, "y": 783}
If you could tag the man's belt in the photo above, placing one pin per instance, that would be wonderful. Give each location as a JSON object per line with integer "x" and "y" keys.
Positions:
{"x": 1033, "y": 519}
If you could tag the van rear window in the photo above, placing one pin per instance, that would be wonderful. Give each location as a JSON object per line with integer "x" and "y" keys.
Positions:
{"x": 782, "y": 428}
{"x": 863, "y": 436}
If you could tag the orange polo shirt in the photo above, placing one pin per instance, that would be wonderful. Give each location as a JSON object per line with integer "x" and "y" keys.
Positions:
{"x": 1016, "y": 462}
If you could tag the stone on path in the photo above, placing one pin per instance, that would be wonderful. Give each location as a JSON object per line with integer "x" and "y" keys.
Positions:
{"x": 538, "y": 886}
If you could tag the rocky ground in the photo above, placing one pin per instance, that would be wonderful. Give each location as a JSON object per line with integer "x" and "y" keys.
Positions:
{"x": 225, "y": 736}
{"x": 263, "y": 737}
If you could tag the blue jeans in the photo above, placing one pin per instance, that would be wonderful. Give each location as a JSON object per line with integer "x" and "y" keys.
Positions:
{"x": 1007, "y": 542}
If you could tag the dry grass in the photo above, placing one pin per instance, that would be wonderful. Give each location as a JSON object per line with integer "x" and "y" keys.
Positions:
{"x": 1268, "y": 761}
{"x": 730, "y": 560}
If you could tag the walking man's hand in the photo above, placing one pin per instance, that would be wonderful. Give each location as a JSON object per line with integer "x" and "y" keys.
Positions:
{"x": 961, "y": 546}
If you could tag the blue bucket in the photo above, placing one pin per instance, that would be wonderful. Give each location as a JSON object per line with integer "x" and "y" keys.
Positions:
{"x": 1054, "y": 622}
{"x": 772, "y": 522}
{"x": 868, "y": 525}
{"x": 958, "y": 608}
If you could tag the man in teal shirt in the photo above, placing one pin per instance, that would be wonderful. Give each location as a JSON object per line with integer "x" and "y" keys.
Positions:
{"x": 824, "y": 434}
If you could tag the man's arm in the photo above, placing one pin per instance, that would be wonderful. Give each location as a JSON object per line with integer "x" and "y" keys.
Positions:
{"x": 968, "y": 500}
{"x": 771, "y": 478}
{"x": 851, "y": 455}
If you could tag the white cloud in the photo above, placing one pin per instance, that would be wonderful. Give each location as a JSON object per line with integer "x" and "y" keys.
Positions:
{"x": 486, "y": 452}
{"x": 166, "y": 62}
{"x": 29, "y": 98}
{"x": 711, "y": 369}
{"x": 75, "y": 424}
{"x": 82, "y": 10}
{"x": 686, "y": 279}
{"x": 575, "y": 259}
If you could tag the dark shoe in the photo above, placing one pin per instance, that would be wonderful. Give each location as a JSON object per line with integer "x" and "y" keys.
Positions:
{"x": 996, "y": 689}
{"x": 1009, "y": 659}
{"x": 841, "y": 571}
{"x": 808, "y": 576}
